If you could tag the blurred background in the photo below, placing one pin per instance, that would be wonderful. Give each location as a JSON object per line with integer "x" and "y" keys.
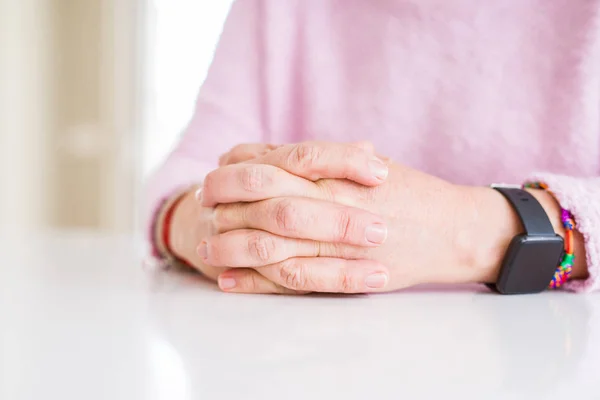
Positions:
{"x": 93, "y": 95}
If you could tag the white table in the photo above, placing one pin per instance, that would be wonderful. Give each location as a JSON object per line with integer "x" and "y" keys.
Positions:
{"x": 81, "y": 319}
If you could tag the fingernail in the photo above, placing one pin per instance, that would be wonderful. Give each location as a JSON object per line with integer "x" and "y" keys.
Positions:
{"x": 203, "y": 250}
{"x": 226, "y": 283}
{"x": 376, "y": 233}
{"x": 199, "y": 195}
{"x": 378, "y": 168}
{"x": 376, "y": 281}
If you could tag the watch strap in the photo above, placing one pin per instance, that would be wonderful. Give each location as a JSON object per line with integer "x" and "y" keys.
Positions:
{"x": 530, "y": 211}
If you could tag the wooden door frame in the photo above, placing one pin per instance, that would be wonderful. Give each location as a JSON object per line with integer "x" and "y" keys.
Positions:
{"x": 123, "y": 80}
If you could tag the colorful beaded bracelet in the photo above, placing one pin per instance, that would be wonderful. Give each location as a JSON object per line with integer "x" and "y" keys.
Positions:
{"x": 564, "y": 270}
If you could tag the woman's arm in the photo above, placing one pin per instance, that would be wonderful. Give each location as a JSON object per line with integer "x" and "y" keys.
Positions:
{"x": 499, "y": 223}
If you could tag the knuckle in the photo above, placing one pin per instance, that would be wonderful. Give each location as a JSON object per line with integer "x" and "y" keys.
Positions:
{"x": 305, "y": 155}
{"x": 252, "y": 178}
{"x": 216, "y": 252}
{"x": 344, "y": 226}
{"x": 252, "y": 281}
{"x": 293, "y": 274}
{"x": 346, "y": 282}
{"x": 351, "y": 154}
{"x": 286, "y": 216}
{"x": 261, "y": 247}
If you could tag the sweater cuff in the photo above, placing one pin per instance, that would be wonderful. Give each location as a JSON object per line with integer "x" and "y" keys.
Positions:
{"x": 577, "y": 195}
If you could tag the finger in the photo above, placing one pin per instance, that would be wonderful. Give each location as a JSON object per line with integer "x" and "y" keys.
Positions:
{"x": 223, "y": 159}
{"x": 320, "y": 160}
{"x": 252, "y": 182}
{"x": 369, "y": 147}
{"x": 303, "y": 218}
{"x": 241, "y": 152}
{"x": 365, "y": 145}
{"x": 249, "y": 248}
{"x": 250, "y": 281}
{"x": 245, "y": 152}
{"x": 325, "y": 275}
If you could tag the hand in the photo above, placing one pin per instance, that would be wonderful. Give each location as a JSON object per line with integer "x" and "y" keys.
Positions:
{"x": 192, "y": 223}
{"x": 438, "y": 233}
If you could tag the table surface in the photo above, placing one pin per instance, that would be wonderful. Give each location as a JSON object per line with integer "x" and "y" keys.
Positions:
{"x": 81, "y": 318}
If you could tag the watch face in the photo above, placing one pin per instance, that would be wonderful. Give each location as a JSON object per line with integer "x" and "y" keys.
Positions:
{"x": 530, "y": 263}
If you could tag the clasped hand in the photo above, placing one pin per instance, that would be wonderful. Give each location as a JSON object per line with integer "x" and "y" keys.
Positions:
{"x": 326, "y": 217}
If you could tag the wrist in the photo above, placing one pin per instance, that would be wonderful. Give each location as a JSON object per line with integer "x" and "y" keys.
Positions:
{"x": 171, "y": 223}
{"x": 184, "y": 221}
{"x": 163, "y": 216}
{"x": 495, "y": 223}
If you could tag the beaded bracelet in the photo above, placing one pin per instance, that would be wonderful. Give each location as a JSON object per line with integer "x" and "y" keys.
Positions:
{"x": 564, "y": 270}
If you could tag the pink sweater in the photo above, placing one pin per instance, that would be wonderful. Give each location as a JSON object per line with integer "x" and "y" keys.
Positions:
{"x": 472, "y": 91}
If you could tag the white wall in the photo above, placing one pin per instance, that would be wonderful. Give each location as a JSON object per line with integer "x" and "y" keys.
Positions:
{"x": 181, "y": 38}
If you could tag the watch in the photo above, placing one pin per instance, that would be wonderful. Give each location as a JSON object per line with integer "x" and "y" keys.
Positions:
{"x": 532, "y": 257}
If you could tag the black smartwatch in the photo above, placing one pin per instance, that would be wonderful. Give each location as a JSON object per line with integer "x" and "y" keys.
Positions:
{"x": 532, "y": 257}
